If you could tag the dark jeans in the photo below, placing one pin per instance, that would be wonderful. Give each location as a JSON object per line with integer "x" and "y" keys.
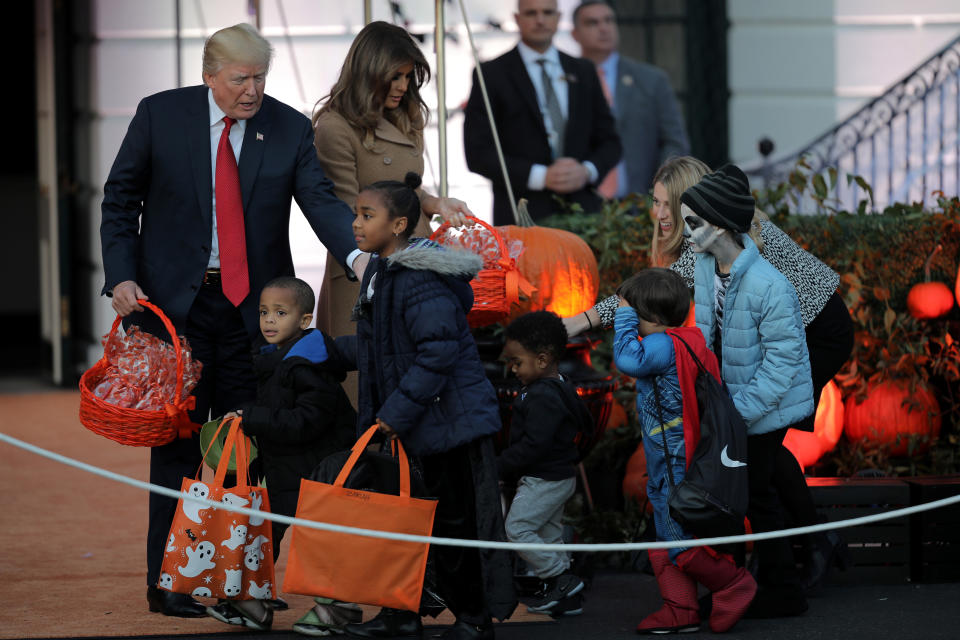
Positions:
{"x": 219, "y": 340}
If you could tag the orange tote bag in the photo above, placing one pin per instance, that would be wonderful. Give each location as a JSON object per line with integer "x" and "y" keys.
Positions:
{"x": 352, "y": 568}
{"x": 215, "y": 553}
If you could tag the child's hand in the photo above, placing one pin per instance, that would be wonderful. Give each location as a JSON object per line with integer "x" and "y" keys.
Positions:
{"x": 233, "y": 414}
{"x": 386, "y": 430}
{"x": 623, "y": 303}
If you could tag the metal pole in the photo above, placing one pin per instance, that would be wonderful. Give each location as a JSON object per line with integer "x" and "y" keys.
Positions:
{"x": 367, "y": 11}
{"x": 440, "y": 44}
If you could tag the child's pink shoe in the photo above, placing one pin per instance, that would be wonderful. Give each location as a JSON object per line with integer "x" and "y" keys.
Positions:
{"x": 679, "y": 592}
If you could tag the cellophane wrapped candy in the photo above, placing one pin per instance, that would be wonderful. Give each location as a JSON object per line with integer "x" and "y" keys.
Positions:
{"x": 142, "y": 370}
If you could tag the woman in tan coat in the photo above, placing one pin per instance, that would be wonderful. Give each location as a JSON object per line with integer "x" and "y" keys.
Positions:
{"x": 370, "y": 128}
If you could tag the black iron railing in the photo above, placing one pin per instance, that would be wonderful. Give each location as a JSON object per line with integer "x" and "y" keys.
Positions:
{"x": 904, "y": 143}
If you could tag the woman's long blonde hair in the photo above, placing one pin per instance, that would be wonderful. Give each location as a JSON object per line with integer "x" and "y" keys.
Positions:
{"x": 360, "y": 92}
{"x": 677, "y": 175}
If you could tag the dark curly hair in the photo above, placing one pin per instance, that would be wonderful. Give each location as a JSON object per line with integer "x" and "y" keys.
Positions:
{"x": 302, "y": 293}
{"x": 658, "y": 295}
{"x": 539, "y": 332}
{"x": 400, "y": 199}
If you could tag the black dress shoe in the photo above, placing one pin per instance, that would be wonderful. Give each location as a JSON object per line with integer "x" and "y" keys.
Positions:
{"x": 389, "y": 623}
{"x": 174, "y": 604}
{"x": 466, "y": 631}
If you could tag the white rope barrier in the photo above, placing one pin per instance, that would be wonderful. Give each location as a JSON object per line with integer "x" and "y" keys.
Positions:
{"x": 479, "y": 544}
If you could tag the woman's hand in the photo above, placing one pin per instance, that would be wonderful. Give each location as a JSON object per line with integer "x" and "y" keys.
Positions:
{"x": 386, "y": 430}
{"x": 451, "y": 210}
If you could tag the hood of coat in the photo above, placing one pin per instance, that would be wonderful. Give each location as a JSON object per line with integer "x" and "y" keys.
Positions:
{"x": 314, "y": 346}
{"x": 456, "y": 266}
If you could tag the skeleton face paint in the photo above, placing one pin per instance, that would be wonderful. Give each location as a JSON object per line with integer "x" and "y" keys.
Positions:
{"x": 697, "y": 231}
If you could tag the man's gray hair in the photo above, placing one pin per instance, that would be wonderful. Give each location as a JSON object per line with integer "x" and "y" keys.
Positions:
{"x": 239, "y": 44}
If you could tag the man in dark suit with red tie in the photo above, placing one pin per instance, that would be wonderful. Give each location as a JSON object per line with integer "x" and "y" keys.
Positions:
{"x": 195, "y": 218}
{"x": 554, "y": 124}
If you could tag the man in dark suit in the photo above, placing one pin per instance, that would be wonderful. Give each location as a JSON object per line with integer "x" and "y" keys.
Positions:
{"x": 187, "y": 226}
{"x": 554, "y": 125}
{"x": 643, "y": 102}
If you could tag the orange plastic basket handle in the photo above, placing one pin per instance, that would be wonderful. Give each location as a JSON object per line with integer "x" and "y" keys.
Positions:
{"x": 496, "y": 234}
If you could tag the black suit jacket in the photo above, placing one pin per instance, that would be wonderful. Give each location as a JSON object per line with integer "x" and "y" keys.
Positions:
{"x": 590, "y": 132}
{"x": 157, "y": 211}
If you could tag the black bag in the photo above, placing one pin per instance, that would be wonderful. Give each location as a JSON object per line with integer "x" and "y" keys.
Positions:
{"x": 712, "y": 498}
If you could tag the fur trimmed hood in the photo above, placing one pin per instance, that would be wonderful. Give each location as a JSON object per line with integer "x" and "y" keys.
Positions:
{"x": 426, "y": 255}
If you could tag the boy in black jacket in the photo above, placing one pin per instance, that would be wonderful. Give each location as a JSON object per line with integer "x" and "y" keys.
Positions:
{"x": 301, "y": 414}
{"x": 542, "y": 454}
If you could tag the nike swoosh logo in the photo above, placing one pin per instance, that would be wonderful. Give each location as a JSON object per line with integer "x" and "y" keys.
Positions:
{"x": 727, "y": 461}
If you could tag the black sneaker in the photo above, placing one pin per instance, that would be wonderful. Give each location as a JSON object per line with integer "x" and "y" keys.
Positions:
{"x": 558, "y": 588}
{"x": 569, "y": 606}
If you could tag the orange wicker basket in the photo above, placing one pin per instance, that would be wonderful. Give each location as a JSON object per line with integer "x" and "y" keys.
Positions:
{"x": 499, "y": 284}
{"x": 136, "y": 427}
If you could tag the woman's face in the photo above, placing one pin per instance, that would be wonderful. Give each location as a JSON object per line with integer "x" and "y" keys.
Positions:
{"x": 661, "y": 210}
{"x": 399, "y": 83}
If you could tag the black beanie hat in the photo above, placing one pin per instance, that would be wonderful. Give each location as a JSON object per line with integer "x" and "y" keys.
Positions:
{"x": 723, "y": 199}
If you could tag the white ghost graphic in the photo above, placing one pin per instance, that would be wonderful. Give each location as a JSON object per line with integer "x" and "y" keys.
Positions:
{"x": 238, "y": 535}
{"x": 201, "y": 592}
{"x": 256, "y": 501}
{"x": 260, "y": 593}
{"x": 198, "y": 560}
{"x": 257, "y": 543}
{"x": 233, "y": 585}
{"x": 252, "y": 558}
{"x": 170, "y": 545}
{"x": 234, "y": 500}
{"x": 166, "y": 581}
{"x": 192, "y": 509}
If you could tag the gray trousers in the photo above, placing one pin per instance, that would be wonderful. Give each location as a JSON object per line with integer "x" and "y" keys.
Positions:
{"x": 536, "y": 515}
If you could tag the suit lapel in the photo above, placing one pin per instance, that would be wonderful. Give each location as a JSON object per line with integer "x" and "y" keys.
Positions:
{"x": 524, "y": 85}
{"x": 251, "y": 153}
{"x": 198, "y": 143}
{"x": 574, "y": 93}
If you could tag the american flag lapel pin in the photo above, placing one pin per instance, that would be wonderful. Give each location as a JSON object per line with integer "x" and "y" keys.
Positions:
{"x": 259, "y": 136}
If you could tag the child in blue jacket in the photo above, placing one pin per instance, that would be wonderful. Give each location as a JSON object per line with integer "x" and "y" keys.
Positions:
{"x": 653, "y": 305}
{"x": 421, "y": 380}
{"x": 750, "y": 316}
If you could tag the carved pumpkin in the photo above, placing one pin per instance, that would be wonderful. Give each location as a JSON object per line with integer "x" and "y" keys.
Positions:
{"x": 807, "y": 447}
{"x": 558, "y": 263}
{"x": 891, "y": 414}
{"x": 927, "y": 300}
{"x": 635, "y": 479}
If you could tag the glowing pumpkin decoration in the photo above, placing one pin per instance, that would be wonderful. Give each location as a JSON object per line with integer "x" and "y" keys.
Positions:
{"x": 928, "y": 300}
{"x": 635, "y": 479}
{"x": 890, "y": 415}
{"x": 807, "y": 447}
{"x": 558, "y": 263}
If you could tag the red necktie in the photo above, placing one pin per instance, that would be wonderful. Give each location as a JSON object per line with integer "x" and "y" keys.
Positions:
{"x": 608, "y": 187}
{"x": 230, "y": 233}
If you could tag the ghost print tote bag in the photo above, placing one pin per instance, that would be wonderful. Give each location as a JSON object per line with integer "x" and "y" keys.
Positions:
{"x": 216, "y": 553}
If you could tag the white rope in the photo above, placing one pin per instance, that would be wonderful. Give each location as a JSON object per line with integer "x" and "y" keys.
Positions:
{"x": 486, "y": 104}
{"x": 479, "y": 544}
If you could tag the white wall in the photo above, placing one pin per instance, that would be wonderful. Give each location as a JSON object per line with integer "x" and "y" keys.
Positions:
{"x": 133, "y": 56}
{"x": 798, "y": 68}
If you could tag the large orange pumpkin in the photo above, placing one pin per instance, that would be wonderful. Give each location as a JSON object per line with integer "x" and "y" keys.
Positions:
{"x": 891, "y": 414}
{"x": 807, "y": 447}
{"x": 558, "y": 263}
{"x": 635, "y": 479}
{"x": 927, "y": 300}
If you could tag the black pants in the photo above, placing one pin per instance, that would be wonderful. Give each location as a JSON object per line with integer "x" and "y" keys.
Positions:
{"x": 219, "y": 340}
{"x": 830, "y": 342}
{"x": 777, "y": 568}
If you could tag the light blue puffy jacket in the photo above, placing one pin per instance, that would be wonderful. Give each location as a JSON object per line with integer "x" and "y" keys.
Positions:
{"x": 765, "y": 361}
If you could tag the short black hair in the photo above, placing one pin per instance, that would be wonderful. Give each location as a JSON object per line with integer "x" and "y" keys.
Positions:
{"x": 658, "y": 295}
{"x": 400, "y": 199}
{"x": 539, "y": 332}
{"x": 590, "y": 3}
{"x": 302, "y": 293}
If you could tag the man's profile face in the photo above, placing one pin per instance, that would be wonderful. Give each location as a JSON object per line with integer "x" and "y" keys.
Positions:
{"x": 596, "y": 29}
{"x": 238, "y": 88}
{"x": 537, "y": 21}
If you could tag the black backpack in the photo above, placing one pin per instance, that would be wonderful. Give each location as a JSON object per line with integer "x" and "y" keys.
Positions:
{"x": 712, "y": 498}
